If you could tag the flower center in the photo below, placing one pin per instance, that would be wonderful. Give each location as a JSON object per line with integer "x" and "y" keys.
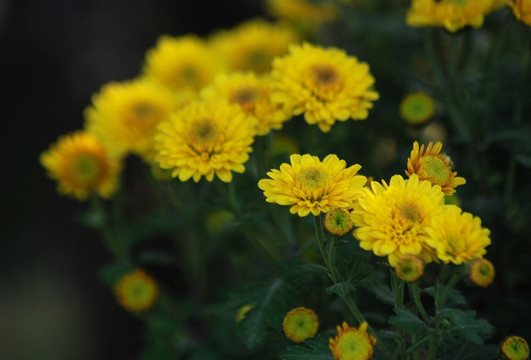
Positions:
{"x": 455, "y": 243}
{"x": 86, "y": 168}
{"x": 259, "y": 60}
{"x": 313, "y": 178}
{"x": 323, "y": 80}
{"x": 246, "y": 98}
{"x": 204, "y": 131}
{"x": 410, "y": 212}
{"x": 188, "y": 74}
{"x": 434, "y": 169}
{"x": 353, "y": 345}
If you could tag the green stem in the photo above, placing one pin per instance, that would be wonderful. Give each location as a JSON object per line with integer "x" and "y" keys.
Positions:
{"x": 446, "y": 292}
{"x": 398, "y": 290}
{"x": 415, "y": 293}
{"x": 335, "y": 276}
{"x": 432, "y": 348}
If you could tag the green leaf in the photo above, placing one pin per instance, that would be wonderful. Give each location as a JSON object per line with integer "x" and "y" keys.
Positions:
{"x": 464, "y": 325}
{"x": 316, "y": 268}
{"x": 254, "y": 326}
{"x": 454, "y": 295}
{"x": 524, "y": 160}
{"x": 382, "y": 291}
{"x": 314, "y": 349}
{"x": 409, "y": 321}
{"x": 352, "y": 262}
{"x": 341, "y": 289}
{"x": 522, "y": 136}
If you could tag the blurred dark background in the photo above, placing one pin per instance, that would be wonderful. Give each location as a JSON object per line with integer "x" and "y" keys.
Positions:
{"x": 53, "y": 56}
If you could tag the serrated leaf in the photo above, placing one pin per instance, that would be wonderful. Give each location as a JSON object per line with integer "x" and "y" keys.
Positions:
{"x": 464, "y": 325}
{"x": 382, "y": 291}
{"x": 316, "y": 268}
{"x": 352, "y": 262}
{"x": 454, "y": 295}
{"x": 341, "y": 289}
{"x": 314, "y": 349}
{"x": 409, "y": 321}
{"x": 254, "y": 326}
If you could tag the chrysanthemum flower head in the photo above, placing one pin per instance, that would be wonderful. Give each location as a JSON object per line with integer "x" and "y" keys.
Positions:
{"x": 124, "y": 116}
{"x": 409, "y": 268}
{"x": 136, "y": 291}
{"x": 391, "y": 219}
{"x": 300, "y": 324}
{"x": 82, "y": 166}
{"x": 429, "y": 164}
{"x": 481, "y": 272}
{"x": 300, "y": 10}
{"x": 338, "y": 222}
{"x": 252, "y": 45}
{"x": 521, "y": 10}
{"x": 352, "y": 344}
{"x": 309, "y": 185}
{"x": 205, "y": 139}
{"x": 514, "y": 348}
{"x": 456, "y": 236}
{"x": 417, "y": 108}
{"x": 323, "y": 83}
{"x": 452, "y": 14}
{"x": 185, "y": 62}
{"x": 253, "y": 95}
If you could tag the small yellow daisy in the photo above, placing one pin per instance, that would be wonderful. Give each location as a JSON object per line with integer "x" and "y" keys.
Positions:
{"x": 300, "y": 10}
{"x": 253, "y": 44}
{"x": 521, "y": 10}
{"x": 456, "y": 236}
{"x": 323, "y": 83}
{"x": 253, "y": 95}
{"x": 352, "y": 344}
{"x": 417, "y": 108}
{"x": 338, "y": 222}
{"x": 429, "y": 164}
{"x": 481, "y": 272}
{"x": 205, "y": 139}
{"x": 300, "y": 324}
{"x": 82, "y": 166}
{"x": 452, "y": 14}
{"x": 409, "y": 268}
{"x": 391, "y": 220}
{"x": 124, "y": 115}
{"x": 311, "y": 186}
{"x": 136, "y": 291}
{"x": 514, "y": 348}
{"x": 185, "y": 62}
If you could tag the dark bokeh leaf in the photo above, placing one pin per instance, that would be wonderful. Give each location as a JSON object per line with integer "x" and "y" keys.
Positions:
{"x": 464, "y": 325}
{"x": 341, "y": 289}
{"x": 314, "y": 349}
{"x": 409, "y": 321}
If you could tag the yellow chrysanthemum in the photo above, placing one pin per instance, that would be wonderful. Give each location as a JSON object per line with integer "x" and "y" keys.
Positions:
{"x": 185, "y": 62}
{"x": 300, "y": 10}
{"x": 309, "y": 185}
{"x": 352, "y": 344}
{"x": 205, "y": 139}
{"x": 392, "y": 219}
{"x": 521, "y": 10}
{"x": 481, "y": 272}
{"x": 253, "y": 45}
{"x": 452, "y": 14}
{"x": 430, "y": 165}
{"x": 300, "y": 324}
{"x": 136, "y": 291}
{"x": 124, "y": 116}
{"x": 324, "y": 84}
{"x": 82, "y": 166}
{"x": 338, "y": 222}
{"x": 457, "y": 237}
{"x": 417, "y": 108}
{"x": 409, "y": 268}
{"x": 514, "y": 348}
{"x": 253, "y": 95}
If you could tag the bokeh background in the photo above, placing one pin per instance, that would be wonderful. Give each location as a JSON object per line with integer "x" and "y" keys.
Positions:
{"x": 53, "y": 56}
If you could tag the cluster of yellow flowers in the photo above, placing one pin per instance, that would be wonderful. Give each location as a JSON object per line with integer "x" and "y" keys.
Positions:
{"x": 199, "y": 103}
{"x": 404, "y": 216}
